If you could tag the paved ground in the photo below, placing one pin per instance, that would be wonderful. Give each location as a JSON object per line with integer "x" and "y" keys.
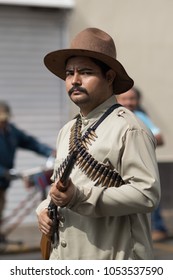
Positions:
{"x": 25, "y": 239}
{"x": 164, "y": 250}
{"x": 30, "y": 237}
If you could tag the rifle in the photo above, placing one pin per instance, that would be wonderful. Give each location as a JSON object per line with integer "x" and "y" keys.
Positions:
{"x": 47, "y": 243}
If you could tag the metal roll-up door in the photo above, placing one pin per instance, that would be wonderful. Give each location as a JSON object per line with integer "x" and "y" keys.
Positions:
{"x": 37, "y": 98}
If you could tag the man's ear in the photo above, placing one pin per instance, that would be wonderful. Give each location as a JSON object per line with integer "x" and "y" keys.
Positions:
{"x": 110, "y": 76}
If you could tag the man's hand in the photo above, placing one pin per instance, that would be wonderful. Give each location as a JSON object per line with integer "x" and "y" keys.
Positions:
{"x": 61, "y": 194}
{"x": 44, "y": 222}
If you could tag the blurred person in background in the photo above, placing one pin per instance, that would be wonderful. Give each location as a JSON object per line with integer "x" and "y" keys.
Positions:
{"x": 132, "y": 101}
{"x": 11, "y": 139}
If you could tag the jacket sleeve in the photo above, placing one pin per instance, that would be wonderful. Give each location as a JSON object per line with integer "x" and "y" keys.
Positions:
{"x": 31, "y": 143}
{"x": 141, "y": 191}
{"x": 44, "y": 204}
{"x": 2, "y": 171}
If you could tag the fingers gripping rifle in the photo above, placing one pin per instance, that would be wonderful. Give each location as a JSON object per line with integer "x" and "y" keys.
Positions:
{"x": 52, "y": 208}
{"x": 47, "y": 243}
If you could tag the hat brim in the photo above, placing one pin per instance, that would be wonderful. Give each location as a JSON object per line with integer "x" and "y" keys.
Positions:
{"x": 56, "y": 63}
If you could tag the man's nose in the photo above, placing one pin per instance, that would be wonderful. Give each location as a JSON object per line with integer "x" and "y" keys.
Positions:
{"x": 76, "y": 79}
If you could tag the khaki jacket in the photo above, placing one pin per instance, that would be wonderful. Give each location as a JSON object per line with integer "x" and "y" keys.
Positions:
{"x": 110, "y": 223}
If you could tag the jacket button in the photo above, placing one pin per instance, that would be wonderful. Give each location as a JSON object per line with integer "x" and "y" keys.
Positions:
{"x": 62, "y": 219}
{"x": 63, "y": 243}
{"x": 85, "y": 122}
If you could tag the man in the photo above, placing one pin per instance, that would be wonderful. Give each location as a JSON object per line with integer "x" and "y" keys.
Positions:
{"x": 104, "y": 212}
{"x": 11, "y": 139}
{"x": 132, "y": 100}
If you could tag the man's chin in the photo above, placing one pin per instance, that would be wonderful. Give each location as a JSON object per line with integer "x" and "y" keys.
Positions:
{"x": 78, "y": 100}
{"x": 78, "y": 97}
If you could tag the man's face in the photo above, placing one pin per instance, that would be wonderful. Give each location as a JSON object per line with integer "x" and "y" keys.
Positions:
{"x": 86, "y": 84}
{"x": 128, "y": 100}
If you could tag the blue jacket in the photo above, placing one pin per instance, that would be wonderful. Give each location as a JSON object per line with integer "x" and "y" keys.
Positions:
{"x": 12, "y": 139}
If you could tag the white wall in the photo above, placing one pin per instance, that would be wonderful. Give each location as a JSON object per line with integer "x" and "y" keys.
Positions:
{"x": 37, "y": 98}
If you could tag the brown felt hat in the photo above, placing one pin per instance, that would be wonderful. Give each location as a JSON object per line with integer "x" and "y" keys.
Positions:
{"x": 94, "y": 43}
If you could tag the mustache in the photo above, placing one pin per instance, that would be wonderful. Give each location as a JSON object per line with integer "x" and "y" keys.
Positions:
{"x": 78, "y": 88}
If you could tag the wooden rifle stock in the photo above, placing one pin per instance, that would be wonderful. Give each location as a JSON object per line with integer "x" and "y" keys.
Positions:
{"x": 45, "y": 246}
{"x": 46, "y": 242}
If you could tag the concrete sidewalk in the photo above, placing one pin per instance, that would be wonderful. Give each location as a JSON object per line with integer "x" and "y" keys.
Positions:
{"x": 24, "y": 239}
{"x": 164, "y": 250}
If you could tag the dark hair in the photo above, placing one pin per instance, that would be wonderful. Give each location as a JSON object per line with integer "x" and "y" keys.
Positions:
{"x": 104, "y": 67}
{"x": 137, "y": 92}
{"x": 139, "y": 96}
{"x": 5, "y": 106}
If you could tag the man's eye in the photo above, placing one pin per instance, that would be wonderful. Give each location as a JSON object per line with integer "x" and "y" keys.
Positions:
{"x": 68, "y": 73}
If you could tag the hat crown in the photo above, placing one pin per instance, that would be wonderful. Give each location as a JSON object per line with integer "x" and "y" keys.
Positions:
{"x": 94, "y": 43}
{"x": 95, "y": 40}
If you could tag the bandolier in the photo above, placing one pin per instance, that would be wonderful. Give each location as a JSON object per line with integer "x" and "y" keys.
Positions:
{"x": 98, "y": 172}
